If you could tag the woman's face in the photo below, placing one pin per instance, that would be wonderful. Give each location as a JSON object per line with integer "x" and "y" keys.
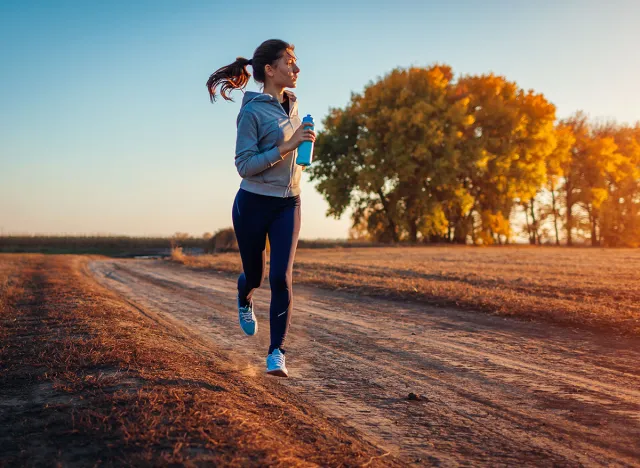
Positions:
{"x": 285, "y": 71}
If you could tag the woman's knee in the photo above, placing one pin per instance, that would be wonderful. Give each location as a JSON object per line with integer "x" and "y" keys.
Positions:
{"x": 255, "y": 281}
{"x": 279, "y": 281}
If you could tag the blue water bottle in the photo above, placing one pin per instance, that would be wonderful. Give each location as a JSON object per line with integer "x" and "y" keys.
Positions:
{"x": 305, "y": 150}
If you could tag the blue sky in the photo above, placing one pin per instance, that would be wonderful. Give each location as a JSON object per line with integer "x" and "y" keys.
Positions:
{"x": 106, "y": 127}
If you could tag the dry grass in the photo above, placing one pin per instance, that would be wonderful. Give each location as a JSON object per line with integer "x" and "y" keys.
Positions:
{"x": 177, "y": 255}
{"x": 87, "y": 379}
{"x": 588, "y": 288}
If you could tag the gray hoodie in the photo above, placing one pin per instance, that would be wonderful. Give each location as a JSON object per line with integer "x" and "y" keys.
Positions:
{"x": 262, "y": 126}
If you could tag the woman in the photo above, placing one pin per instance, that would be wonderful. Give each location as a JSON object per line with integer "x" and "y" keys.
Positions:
{"x": 268, "y": 201}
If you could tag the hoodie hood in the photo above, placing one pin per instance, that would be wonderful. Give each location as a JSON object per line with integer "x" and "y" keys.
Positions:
{"x": 264, "y": 97}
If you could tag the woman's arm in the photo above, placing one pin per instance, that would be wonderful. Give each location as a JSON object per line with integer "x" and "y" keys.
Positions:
{"x": 249, "y": 161}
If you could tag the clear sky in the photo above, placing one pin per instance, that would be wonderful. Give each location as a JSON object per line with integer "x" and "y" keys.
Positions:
{"x": 106, "y": 127}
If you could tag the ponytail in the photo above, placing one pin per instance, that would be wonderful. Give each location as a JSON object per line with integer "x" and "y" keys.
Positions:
{"x": 236, "y": 76}
{"x": 233, "y": 76}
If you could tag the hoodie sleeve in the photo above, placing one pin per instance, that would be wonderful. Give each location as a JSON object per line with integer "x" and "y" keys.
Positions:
{"x": 249, "y": 161}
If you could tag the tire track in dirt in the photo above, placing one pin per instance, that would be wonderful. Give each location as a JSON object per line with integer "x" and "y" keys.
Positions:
{"x": 498, "y": 391}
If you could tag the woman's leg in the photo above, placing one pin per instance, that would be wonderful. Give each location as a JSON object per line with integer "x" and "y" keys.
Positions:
{"x": 284, "y": 231}
{"x": 250, "y": 224}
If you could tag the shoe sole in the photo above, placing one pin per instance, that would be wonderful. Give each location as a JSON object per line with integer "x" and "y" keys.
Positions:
{"x": 278, "y": 373}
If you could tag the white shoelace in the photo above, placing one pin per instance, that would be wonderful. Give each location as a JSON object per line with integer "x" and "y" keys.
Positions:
{"x": 246, "y": 314}
{"x": 278, "y": 359}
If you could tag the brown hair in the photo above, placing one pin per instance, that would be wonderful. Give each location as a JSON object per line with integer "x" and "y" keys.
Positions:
{"x": 236, "y": 76}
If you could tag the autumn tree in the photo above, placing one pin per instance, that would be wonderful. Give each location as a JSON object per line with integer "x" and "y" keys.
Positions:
{"x": 557, "y": 165}
{"x": 511, "y": 137}
{"x": 620, "y": 210}
{"x": 578, "y": 126}
{"x": 602, "y": 179}
{"x": 393, "y": 155}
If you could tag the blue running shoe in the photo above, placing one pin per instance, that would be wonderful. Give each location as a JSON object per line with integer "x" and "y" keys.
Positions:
{"x": 247, "y": 319}
{"x": 276, "y": 365}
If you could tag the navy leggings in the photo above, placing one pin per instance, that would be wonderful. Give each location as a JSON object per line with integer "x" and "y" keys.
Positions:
{"x": 254, "y": 217}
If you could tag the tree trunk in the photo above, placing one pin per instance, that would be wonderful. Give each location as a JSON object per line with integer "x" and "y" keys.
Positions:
{"x": 569, "y": 220}
{"x": 593, "y": 218}
{"x": 413, "y": 230}
{"x": 391, "y": 222}
{"x": 461, "y": 230}
{"x": 534, "y": 224}
{"x": 568, "y": 192}
{"x": 411, "y": 218}
{"x": 526, "y": 216}
{"x": 474, "y": 230}
{"x": 555, "y": 213}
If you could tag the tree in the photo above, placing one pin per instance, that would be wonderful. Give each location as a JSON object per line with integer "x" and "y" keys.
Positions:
{"x": 536, "y": 143}
{"x": 511, "y": 137}
{"x": 598, "y": 163}
{"x": 595, "y": 169}
{"x": 620, "y": 211}
{"x": 578, "y": 126}
{"x": 223, "y": 240}
{"x": 393, "y": 154}
{"x": 178, "y": 239}
{"x": 557, "y": 164}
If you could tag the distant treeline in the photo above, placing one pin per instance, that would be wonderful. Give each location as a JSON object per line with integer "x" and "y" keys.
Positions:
{"x": 126, "y": 246}
{"x": 105, "y": 245}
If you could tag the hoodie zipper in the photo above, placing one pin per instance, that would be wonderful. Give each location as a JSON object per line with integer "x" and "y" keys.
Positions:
{"x": 288, "y": 188}
{"x": 291, "y": 166}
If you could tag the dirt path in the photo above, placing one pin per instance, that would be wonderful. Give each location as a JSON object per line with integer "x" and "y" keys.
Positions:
{"x": 495, "y": 391}
{"x": 89, "y": 379}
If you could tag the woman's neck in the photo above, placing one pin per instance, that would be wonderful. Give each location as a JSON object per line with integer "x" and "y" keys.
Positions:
{"x": 276, "y": 91}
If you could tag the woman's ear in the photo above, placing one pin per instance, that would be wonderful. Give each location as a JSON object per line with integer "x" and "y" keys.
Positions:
{"x": 268, "y": 70}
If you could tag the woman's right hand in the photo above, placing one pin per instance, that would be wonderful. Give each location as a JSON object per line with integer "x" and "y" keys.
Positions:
{"x": 301, "y": 134}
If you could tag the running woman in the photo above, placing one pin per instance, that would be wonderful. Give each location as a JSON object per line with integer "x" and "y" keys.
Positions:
{"x": 267, "y": 203}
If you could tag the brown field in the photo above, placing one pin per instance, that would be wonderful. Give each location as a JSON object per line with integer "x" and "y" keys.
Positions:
{"x": 596, "y": 289}
{"x": 87, "y": 378}
{"x": 141, "y": 361}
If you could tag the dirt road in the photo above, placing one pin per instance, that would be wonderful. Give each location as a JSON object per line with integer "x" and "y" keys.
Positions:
{"x": 489, "y": 390}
